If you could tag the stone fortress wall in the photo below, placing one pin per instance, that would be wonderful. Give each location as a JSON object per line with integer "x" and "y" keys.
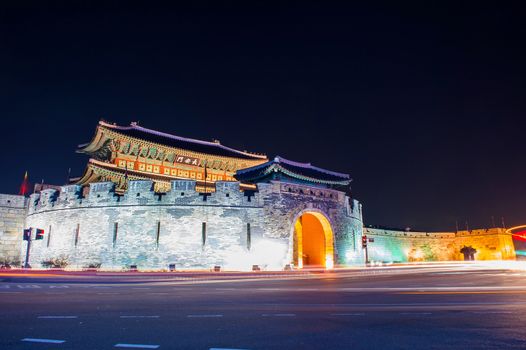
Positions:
{"x": 12, "y": 217}
{"x": 405, "y": 246}
{"x": 152, "y": 230}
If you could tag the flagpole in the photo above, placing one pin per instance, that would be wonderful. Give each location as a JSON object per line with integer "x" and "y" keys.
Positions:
{"x": 23, "y": 187}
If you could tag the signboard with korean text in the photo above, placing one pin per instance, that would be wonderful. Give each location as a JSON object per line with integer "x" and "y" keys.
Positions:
{"x": 186, "y": 160}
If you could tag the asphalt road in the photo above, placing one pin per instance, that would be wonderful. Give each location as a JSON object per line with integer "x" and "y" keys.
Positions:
{"x": 453, "y": 307}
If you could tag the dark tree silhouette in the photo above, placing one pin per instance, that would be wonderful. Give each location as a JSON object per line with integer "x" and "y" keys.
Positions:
{"x": 469, "y": 252}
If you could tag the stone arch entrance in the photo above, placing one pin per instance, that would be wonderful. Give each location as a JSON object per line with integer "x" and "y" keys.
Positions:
{"x": 313, "y": 241}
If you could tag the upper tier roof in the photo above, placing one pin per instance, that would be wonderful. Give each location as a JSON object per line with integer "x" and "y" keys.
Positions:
{"x": 149, "y": 135}
{"x": 300, "y": 171}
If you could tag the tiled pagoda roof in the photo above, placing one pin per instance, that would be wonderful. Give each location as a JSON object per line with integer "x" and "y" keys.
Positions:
{"x": 301, "y": 171}
{"x": 169, "y": 140}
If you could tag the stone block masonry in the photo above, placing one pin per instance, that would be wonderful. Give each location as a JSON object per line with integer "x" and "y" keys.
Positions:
{"x": 407, "y": 246}
{"x": 12, "y": 217}
{"x": 231, "y": 228}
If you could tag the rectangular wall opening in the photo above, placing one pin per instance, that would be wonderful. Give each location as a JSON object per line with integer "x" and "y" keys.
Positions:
{"x": 77, "y": 231}
{"x": 203, "y": 234}
{"x": 249, "y": 237}
{"x": 115, "y": 231}
{"x": 158, "y": 234}
{"x": 48, "y": 237}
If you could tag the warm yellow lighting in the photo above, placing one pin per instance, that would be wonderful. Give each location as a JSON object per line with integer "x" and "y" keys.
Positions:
{"x": 329, "y": 262}
{"x": 313, "y": 222}
{"x": 415, "y": 255}
{"x": 299, "y": 238}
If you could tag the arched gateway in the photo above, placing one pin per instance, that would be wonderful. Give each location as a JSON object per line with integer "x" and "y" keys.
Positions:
{"x": 313, "y": 241}
{"x": 312, "y": 193}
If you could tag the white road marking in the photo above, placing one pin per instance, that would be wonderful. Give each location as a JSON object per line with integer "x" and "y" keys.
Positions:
{"x": 40, "y": 340}
{"x": 278, "y": 315}
{"x": 271, "y": 289}
{"x": 204, "y": 315}
{"x": 136, "y": 346}
{"x": 492, "y": 312}
{"x": 415, "y": 313}
{"x": 350, "y": 314}
{"x": 134, "y": 316}
{"x": 50, "y": 317}
{"x": 444, "y": 304}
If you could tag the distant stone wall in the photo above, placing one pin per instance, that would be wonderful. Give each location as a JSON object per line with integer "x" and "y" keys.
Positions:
{"x": 152, "y": 230}
{"x": 402, "y": 246}
{"x": 12, "y": 216}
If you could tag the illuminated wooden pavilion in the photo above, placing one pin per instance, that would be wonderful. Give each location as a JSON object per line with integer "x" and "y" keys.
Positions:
{"x": 123, "y": 153}
{"x": 281, "y": 169}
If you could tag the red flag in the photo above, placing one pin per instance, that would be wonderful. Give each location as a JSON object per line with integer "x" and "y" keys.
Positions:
{"x": 24, "y": 186}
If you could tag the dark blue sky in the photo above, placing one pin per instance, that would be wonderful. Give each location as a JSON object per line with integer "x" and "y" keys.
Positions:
{"x": 423, "y": 105}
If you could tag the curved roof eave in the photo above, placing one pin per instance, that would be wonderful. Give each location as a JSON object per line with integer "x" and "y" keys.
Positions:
{"x": 278, "y": 161}
{"x": 134, "y": 126}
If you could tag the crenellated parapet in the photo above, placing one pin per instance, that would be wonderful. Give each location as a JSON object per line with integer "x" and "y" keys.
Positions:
{"x": 70, "y": 193}
{"x": 12, "y": 201}
{"x": 434, "y": 235}
{"x": 141, "y": 192}
{"x": 48, "y": 197}
{"x": 354, "y": 208}
{"x": 407, "y": 234}
{"x": 483, "y": 232}
{"x": 400, "y": 245}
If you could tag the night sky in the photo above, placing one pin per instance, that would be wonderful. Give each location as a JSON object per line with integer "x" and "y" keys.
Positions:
{"x": 423, "y": 105}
